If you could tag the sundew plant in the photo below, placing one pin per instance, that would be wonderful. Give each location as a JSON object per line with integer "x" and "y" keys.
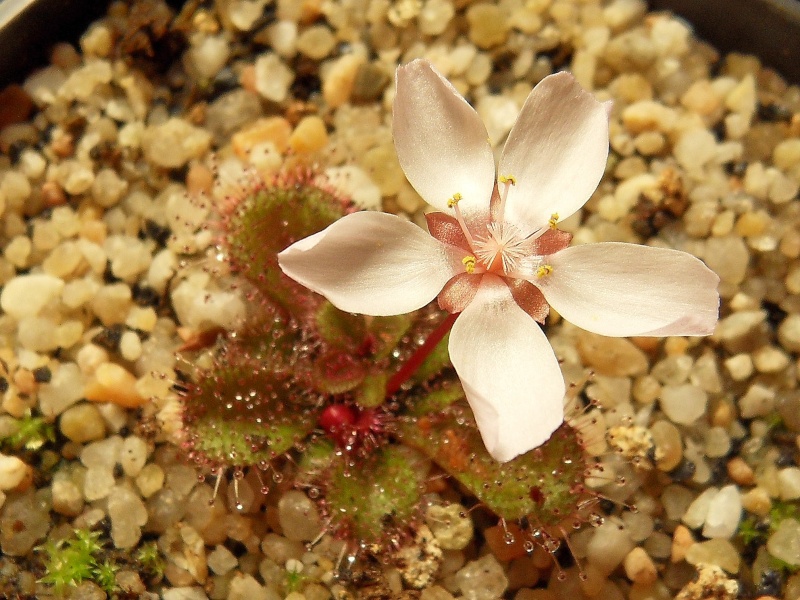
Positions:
{"x": 375, "y": 349}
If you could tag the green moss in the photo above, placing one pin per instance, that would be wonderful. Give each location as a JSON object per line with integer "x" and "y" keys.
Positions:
{"x": 32, "y": 433}
{"x": 69, "y": 562}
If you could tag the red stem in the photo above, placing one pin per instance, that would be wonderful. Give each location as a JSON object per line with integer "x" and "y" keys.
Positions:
{"x": 415, "y": 360}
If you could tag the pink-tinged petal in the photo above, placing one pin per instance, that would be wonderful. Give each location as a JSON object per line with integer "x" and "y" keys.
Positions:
{"x": 550, "y": 242}
{"x": 556, "y": 151}
{"x": 459, "y": 292}
{"x": 447, "y": 230}
{"x": 618, "y": 289}
{"x": 530, "y": 299}
{"x": 372, "y": 263}
{"x": 509, "y": 372}
{"x": 441, "y": 143}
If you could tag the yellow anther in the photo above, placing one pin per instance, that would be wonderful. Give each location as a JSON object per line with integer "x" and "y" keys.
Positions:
{"x": 469, "y": 264}
{"x": 553, "y": 221}
{"x": 508, "y": 179}
{"x": 454, "y": 200}
{"x": 544, "y": 271}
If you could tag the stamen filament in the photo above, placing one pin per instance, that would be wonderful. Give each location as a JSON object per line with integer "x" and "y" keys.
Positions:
{"x": 506, "y": 181}
{"x": 453, "y": 203}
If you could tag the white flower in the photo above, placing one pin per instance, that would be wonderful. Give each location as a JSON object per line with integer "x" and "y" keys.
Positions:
{"x": 495, "y": 255}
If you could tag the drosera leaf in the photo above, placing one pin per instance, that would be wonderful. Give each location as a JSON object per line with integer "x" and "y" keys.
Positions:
{"x": 372, "y": 391}
{"x": 268, "y": 218}
{"x": 544, "y": 485}
{"x": 423, "y": 400}
{"x": 387, "y": 332}
{"x": 339, "y": 328}
{"x": 377, "y": 496}
{"x": 436, "y": 361}
{"x": 241, "y": 411}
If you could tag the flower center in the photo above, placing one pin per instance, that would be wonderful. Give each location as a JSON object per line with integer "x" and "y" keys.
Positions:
{"x": 504, "y": 250}
{"x": 501, "y": 251}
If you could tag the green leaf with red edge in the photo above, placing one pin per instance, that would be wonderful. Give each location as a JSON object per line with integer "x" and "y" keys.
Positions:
{"x": 269, "y": 220}
{"x": 247, "y": 408}
{"x": 374, "y": 495}
{"x": 544, "y": 484}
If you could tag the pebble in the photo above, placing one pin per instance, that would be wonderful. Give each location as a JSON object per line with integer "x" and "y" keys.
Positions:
{"x": 316, "y": 42}
{"x": 498, "y": 113}
{"x": 114, "y": 383}
{"x": 736, "y": 326}
{"x": 67, "y": 497}
{"x": 27, "y": 295}
{"x": 98, "y": 483}
{"x": 739, "y": 367}
{"x": 128, "y": 515}
{"x": 639, "y": 567}
{"x": 64, "y": 389}
{"x": 482, "y": 579}
{"x": 488, "y": 25}
{"x": 353, "y": 182}
{"x": 673, "y": 370}
{"x": 728, "y": 257}
{"x": 272, "y": 77}
{"x": 370, "y": 82}
{"x": 697, "y": 511}
{"x": 309, "y": 136}
{"x": 298, "y": 517}
{"x": 419, "y": 561}
{"x": 740, "y": 472}
{"x": 789, "y": 483}
{"x": 24, "y": 522}
{"x": 275, "y": 130}
{"x": 717, "y": 552}
{"x": 245, "y": 587}
{"x": 608, "y": 547}
{"x": 184, "y": 593}
{"x": 129, "y": 256}
{"x": 337, "y": 85}
{"x": 133, "y": 455}
{"x": 668, "y": 445}
{"x": 758, "y": 401}
{"x": 150, "y": 480}
{"x": 435, "y": 16}
{"x": 676, "y": 499}
{"x": 111, "y": 303}
{"x": 611, "y": 356}
{"x": 82, "y": 423}
{"x": 451, "y": 525}
{"x": 13, "y": 471}
{"x": 724, "y": 513}
{"x": 199, "y": 308}
{"x": 282, "y": 37}
{"x": 221, "y": 560}
{"x": 784, "y": 544}
{"x": 435, "y": 592}
{"x": 717, "y": 442}
{"x": 683, "y": 404}
{"x": 174, "y": 143}
{"x": 208, "y": 54}
{"x": 229, "y": 113}
{"x": 281, "y": 549}
{"x": 682, "y": 540}
{"x": 383, "y": 168}
{"x": 789, "y": 333}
